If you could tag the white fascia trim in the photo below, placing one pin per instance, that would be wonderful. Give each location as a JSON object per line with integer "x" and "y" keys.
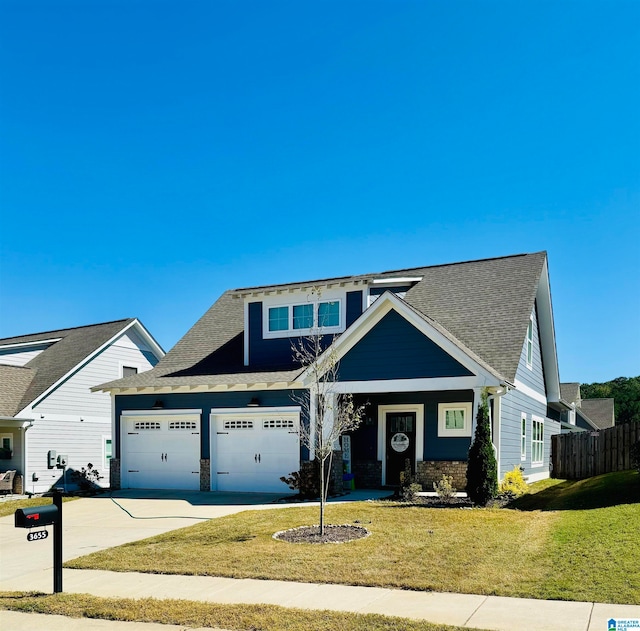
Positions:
{"x": 381, "y": 307}
{"x": 293, "y": 409}
{"x": 246, "y": 333}
{"x": 548, "y": 335}
{"x": 530, "y": 392}
{"x": 408, "y": 385}
{"x": 158, "y": 351}
{"x": 396, "y": 281}
{"x": 19, "y": 345}
{"x": 91, "y": 356}
{"x": 159, "y": 412}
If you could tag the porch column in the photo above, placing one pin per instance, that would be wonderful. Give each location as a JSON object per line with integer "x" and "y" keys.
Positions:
{"x": 477, "y": 397}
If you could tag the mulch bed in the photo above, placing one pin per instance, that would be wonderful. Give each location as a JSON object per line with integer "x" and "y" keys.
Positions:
{"x": 332, "y": 534}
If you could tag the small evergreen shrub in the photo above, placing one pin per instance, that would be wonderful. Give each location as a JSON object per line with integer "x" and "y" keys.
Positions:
{"x": 307, "y": 481}
{"x": 409, "y": 488}
{"x": 513, "y": 484}
{"x": 482, "y": 468}
{"x": 445, "y": 489}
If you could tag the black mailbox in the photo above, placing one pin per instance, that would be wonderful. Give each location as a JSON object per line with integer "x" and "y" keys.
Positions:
{"x": 36, "y": 516}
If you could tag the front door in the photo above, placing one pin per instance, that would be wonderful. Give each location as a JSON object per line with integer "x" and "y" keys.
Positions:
{"x": 401, "y": 444}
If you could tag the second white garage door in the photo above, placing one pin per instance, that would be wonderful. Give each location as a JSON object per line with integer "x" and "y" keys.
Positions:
{"x": 253, "y": 450}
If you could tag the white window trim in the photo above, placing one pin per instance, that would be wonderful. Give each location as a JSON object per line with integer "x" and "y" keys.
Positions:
{"x": 529, "y": 344}
{"x": 105, "y": 462}
{"x": 131, "y": 364}
{"x": 291, "y": 332}
{"x": 537, "y": 419}
{"x": 383, "y": 410}
{"x": 523, "y": 437}
{"x": 10, "y": 437}
{"x": 443, "y": 432}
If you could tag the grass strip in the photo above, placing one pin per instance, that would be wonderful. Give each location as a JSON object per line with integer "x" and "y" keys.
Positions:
{"x": 196, "y": 614}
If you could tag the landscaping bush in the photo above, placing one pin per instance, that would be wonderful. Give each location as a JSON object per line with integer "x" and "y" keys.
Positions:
{"x": 445, "y": 489}
{"x": 482, "y": 468}
{"x": 307, "y": 481}
{"x": 87, "y": 478}
{"x": 513, "y": 484}
{"x": 409, "y": 488}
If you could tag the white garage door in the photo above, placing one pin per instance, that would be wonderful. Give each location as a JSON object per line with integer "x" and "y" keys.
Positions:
{"x": 161, "y": 452}
{"x": 254, "y": 450}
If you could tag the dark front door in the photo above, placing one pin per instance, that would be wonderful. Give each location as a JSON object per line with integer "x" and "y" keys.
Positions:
{"x": 401, "y": 444}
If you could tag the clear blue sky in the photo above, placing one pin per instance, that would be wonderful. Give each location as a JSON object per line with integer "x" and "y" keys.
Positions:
{"x": 156, "y": 153}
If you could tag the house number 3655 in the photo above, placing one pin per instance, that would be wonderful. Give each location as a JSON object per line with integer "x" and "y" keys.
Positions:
{"x": 36, "y": 536}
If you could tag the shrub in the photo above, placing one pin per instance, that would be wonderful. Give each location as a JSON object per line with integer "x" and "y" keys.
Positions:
{"x": 445, "y": 489}
{"x": 482, "y": 468}
{"x": 409, "y": 488}
{"x": 307, "y": 481}
{"x": 513, "y": 484}
{"x": 87, "y": 478}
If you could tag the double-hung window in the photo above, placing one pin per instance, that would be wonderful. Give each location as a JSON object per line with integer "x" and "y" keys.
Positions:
{"x": 529, "y": 343}
{"x": 523, "y": 436}
{"x": 303, "y": 318}
{"x": 537, "y": 440}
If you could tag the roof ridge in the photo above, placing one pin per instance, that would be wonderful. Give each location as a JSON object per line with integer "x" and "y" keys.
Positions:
{"x": 68, "y": 329}
{"x": 373, "y": 274}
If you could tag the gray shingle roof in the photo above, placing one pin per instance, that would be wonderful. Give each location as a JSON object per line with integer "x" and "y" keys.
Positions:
{"x": 54, "y": 362}
{"x": 600, "y": 411}
{"x": 15, "y": 382}
{"x": 570, "y": 392}
{"x": 484, "y": 304}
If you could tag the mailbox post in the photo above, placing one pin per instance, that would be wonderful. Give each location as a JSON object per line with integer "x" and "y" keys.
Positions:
{"x": 49, "y": 515}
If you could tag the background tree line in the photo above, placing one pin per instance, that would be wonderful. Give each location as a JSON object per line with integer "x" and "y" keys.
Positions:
{"x": 626, "y": 394}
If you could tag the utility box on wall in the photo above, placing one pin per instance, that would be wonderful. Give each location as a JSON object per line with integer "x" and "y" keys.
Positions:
{"x": 63, "y": 461}
{"x": 51, "y": 459}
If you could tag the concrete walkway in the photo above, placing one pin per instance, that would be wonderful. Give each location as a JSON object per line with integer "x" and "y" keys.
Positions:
{"x": 98, "y": 523}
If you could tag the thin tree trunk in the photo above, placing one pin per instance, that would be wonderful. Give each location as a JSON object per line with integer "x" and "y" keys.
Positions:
{"x": 322, "y": 496}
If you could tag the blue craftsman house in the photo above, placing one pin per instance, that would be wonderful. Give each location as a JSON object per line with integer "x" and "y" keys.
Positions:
{"x": 418, "y": 346}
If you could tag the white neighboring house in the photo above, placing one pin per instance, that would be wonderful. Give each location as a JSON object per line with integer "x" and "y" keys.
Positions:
{"x": 46, "y": 402}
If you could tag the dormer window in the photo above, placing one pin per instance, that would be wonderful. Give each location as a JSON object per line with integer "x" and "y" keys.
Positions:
{"x": 304, "y": 319}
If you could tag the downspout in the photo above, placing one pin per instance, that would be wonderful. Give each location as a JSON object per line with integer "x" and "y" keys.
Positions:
{"x": 23, "y": 464}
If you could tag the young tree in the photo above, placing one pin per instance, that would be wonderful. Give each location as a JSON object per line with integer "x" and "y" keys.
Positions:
{"x": 482, "y": 468}
{"x": 329, "y": 413}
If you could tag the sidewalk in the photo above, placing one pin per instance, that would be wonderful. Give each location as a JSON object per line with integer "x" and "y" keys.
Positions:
{"x": 465, "y": 610}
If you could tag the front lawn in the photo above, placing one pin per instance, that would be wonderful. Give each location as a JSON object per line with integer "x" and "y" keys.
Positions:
{"x": 575, "y": 554}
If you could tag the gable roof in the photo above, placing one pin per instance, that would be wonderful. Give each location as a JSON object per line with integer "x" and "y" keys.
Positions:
{"x": 570, "y": 392}
{"x": 599, "y": 411}
{"x": 66, "y": 349}
{"x": 484, "y": 306}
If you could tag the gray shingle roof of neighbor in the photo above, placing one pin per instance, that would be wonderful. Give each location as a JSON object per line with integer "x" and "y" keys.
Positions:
{"x": 15, "y": 382}
{"x": 485, "y": 304}
{"x": 570, "y": 392}
{"x": 74, "y": 345}
{"x": 599, "y": 411}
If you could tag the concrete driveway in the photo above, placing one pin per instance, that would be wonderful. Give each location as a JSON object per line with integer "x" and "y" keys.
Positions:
{"x": 108, "y": 520}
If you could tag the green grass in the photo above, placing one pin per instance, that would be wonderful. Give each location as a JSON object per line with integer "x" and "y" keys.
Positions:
{"x": 197, "y": 614}
{"x": 9, "y": 507}
{"x": 567, "y": 540}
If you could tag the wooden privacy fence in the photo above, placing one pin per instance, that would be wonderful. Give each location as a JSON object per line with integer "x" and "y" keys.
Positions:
{"x": 578, "y": 455}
